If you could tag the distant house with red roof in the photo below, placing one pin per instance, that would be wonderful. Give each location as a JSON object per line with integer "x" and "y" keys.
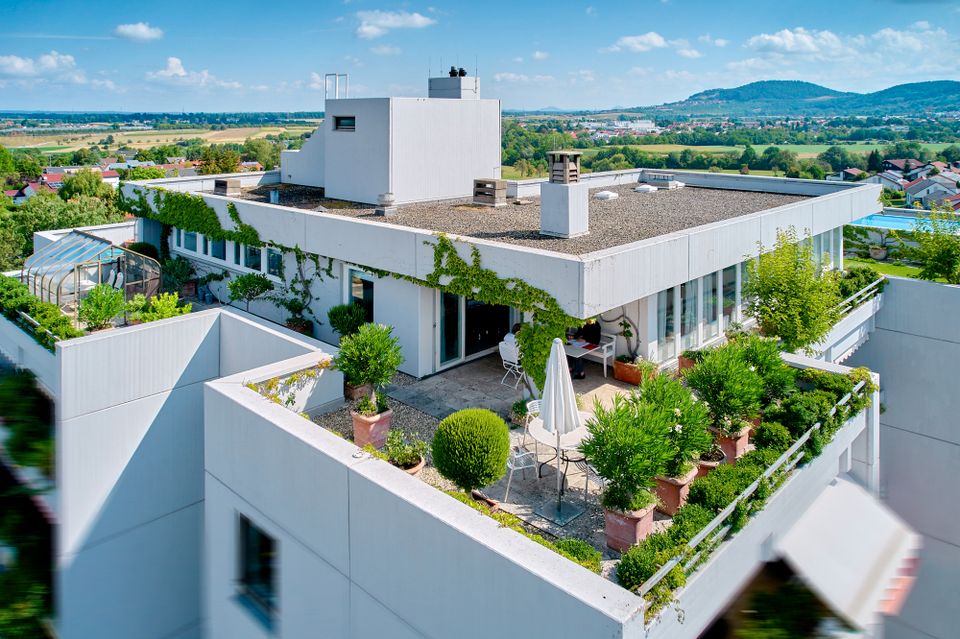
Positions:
{"x": 900, "y": 164}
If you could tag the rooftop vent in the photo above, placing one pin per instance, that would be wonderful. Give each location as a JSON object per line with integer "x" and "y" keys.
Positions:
{"x": 490, "y": 192}
{"x": 386, "y": 205}
{"x": 226, "y": 186}
{"x": 660, "y": 180}
{"x": 564, "y": 166}
{"x": 564, "y": 200}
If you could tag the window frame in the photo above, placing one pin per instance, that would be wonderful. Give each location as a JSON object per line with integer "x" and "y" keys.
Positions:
{"x": 267, "y": 606}
{"x": 339, "y": 123}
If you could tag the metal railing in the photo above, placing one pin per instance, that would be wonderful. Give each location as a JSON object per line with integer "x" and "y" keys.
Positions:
{"x": 868, "y": 292}
{"x": 718, "y": 529}
{"x": 35, "y": 327}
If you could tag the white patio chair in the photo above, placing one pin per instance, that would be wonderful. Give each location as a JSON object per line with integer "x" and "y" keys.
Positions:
{"x": 605, "y": 352}
{"x": 119, "y": 283}
{"x": 520, "y": 459}
{"x": 511, "y": 363}
{"x": 588, "y": 472}
{"x": 533, "y": 410}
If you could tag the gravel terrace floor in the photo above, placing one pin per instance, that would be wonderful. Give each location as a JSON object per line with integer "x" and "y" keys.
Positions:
{"x": 419, "y": 405}
{"x": 629, "y": 218}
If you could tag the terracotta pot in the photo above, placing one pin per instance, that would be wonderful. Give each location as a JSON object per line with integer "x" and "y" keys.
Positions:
{"x": 352, "y": 392}
{"x": 704, "y": 467}
{"x": 415, "y": 470}
{"x": 755, "y": 424}
{"x": 625, "y": 529}
{"x": 672, "y": 491}
{"x": 684, "y": 363}
{"x": 627, "y": 372}
{"x": 371, "y": 430}
{"x": 734, "y": 447}
{"x": 189, "y": 289}
{"x": 878, "y": 252}
{"x": 300, "y": 325}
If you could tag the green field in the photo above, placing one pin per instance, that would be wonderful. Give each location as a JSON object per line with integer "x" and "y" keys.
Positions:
{"x": 510, "y": 173}
{"x": 887, "y": 268}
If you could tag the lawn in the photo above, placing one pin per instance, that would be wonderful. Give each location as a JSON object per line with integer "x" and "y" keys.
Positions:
{"x": 887, "y": 268}
{"x": 802, "y": 150}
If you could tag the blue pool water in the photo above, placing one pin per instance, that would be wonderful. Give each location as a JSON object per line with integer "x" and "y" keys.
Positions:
{"x": 894, "y": 222}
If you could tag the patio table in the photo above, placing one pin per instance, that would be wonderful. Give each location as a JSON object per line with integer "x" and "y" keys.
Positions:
{"x": 569, "y": 442}
{"x": 578, "y": 348}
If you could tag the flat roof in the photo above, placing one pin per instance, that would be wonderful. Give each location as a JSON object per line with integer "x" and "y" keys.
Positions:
{"x": 629, "y": 218}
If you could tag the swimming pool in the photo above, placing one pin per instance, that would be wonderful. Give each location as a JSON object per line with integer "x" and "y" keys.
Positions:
{"x": 892, "y": 222}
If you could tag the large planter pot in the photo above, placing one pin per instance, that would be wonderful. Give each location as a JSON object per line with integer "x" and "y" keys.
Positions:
{"x": 625, "y": 529}
{"x": 878, "y": 252}
{"x": 415, "y": 470}
{"x": 371, "y": 430}
{"x": 672, "y": 491}
{"x": 705, "y": 466}
{"x": 683, "y": 363}
{"x": 354, "y": 393}
{"x": 734, "y": 446}
{"x": 189, "y": 289}
{"x": 627, "y": 372}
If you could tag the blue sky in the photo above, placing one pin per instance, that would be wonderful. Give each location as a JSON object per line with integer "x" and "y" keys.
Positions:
{"x": 261, "y": 56}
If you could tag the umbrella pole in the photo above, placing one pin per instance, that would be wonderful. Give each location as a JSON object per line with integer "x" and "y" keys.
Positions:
{"x": 559, "y": 477}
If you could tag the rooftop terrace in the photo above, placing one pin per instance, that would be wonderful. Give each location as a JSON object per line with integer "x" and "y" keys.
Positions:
{"x": 629, "y": 218}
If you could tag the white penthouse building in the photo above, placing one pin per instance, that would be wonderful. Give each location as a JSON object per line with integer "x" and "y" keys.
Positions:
{"x": 178, "y": 483}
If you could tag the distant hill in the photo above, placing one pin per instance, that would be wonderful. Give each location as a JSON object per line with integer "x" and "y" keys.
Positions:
{"x": 792, "y": 97}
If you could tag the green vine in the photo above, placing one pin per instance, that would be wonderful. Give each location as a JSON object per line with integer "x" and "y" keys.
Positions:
{"x": 191, "y": 213}
{"x": 453, "y": 274}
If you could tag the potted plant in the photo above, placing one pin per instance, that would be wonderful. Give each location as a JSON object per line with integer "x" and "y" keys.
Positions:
{"x": 369, "y": 359}
{"x": 731, "y": 390}
{"x": 100, "y": 306}
{"x": 710, "y": 460}
{"x": 689, "y": 359}
{"x": 633, "y": 371}
{"x": 296, "y": 321}
{"x": 410, "y": 455}
{"x": 346, "y": 319}
{"x": 471, "y": 447}
{"x": 249, "y": 287}
{"x": 518, "y": 412}
{"x": 878, "y": 252}
{"x": 629, "y": 446}
{"x": 177, "y": 276}
{"x": 688, "y": 436}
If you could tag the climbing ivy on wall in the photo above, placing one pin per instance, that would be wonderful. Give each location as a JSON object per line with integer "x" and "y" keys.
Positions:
{"x": 453, "y": 274}
{"x": 191, "y": 213}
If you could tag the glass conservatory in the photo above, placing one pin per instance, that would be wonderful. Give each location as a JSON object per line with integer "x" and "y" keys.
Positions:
{"x": 64, "y": 271}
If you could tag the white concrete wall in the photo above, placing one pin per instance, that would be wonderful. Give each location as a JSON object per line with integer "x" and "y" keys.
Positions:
{"x": 365, "y": 550}
{"x": 130, "y": 467}
{"x": 306, "y": 164}
{"x": 20, "y": 348}
{"x": 916, "y": 349}
{"x": 439, "y": 147}
{"x": 357, "y": 163}
{"x": 116, "y": 233}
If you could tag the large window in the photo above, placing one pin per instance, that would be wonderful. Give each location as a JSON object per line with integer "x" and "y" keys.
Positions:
{"x": 190, "y": 241}
{"x": 688, "y": 314}
{"x": 218, "y": 249}
{"x": 252, "y": 257}
{"x": 711, "y": 305}
{"x": 361, "y": 292}
{"x": 274, "y": 262}
{"x": 666, "y": 324}
{"x": 257, "y": 566}
{"x": 729, "y": 295}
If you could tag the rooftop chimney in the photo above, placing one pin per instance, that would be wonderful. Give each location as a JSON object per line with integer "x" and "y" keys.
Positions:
{"x": 564, "y": 200}
{"x": 456, "y": 85}
{"x": 490, "y": 192}
{"x": 226, "y": 186}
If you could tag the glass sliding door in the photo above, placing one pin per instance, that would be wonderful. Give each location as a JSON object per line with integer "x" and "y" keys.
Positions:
{"x": 450, "y": 342}
{"x": 486, "y": 324}
{"x": 361, "y": 292}
{"x": 729, "y": 295}
{"x": 666, "y": 325}
{"x": 688, "y": 315}
{"x": 711, "y": 305}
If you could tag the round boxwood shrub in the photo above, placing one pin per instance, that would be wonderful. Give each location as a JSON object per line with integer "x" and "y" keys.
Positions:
{"x": 773, "y": 436}
{"x": 145, "y": 248}
{"x": 470, "y": 448}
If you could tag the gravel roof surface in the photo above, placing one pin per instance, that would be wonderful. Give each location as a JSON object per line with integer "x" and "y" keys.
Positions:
{"x": 629, "y": 218}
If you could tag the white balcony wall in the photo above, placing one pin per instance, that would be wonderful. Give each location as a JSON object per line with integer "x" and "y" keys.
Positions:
{"x": 24, "y": 351}
{"x": 916, "y": 349}
{"x": 306, "y": 164}
{"x": 334, "y": 516}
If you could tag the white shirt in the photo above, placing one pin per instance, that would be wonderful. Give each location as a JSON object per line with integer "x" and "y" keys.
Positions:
{"x": 510, "y": 338}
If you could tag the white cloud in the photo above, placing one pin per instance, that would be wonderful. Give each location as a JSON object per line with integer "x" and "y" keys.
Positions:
{"x": 639, "y": 43}
{"x": 693, "y": 54}
{"x": 717, "y": 42}
{"x": 540, "y": 55}
{"x": 374, "y": 24}
{"x": 316, "y": 81}
{"x": 520, "y": 78}
{"x": 518, "y": 59}
{"x": 640, "y": 71}
{"x": 109, "y": 85}
{"x": 59, "y": 67}
{"x": 138, "y": 32}
{"x": 591, "y": 11}
{"x": 583, "y": 75}
{"x": 921, "y": 24}
{"x": 176, "y": 74}
{"x": 385, "y": 50}
{"x": 901, "y": 40}
{"x": 354, "y": 60}
{"x": 800, "y": 41}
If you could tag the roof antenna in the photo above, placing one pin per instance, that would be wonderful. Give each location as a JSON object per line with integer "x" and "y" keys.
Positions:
{"x": 476, "y": 66}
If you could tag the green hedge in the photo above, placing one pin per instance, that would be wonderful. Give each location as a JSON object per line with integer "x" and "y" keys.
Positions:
{"x": 28, "y": 415}
{"x": 15, "y": 297}
{"x": 575, "y": 550}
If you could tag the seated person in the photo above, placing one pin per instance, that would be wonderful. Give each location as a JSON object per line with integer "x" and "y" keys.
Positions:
{"x": 511, "y": 337}
{"x": 590, "y": 333}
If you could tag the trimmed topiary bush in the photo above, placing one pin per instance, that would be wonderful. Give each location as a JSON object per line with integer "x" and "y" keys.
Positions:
{"x": 346, "y": 319}
{"x": 773, "y": 436}
{"x": 470, "y": 448}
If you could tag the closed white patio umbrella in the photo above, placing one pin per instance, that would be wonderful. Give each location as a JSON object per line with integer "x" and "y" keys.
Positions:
{"x": 559, "y": 412}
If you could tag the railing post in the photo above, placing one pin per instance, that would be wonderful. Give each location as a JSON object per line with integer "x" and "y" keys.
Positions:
{"x": 873, "y": 440}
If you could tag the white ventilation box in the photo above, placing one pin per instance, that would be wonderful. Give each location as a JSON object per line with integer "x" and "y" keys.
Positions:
{"x": 564, "y": 209}
{"x": 605, "y": 195}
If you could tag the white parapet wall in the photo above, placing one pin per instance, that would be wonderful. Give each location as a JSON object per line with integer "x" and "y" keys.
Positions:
{"x": 130, "y": 466}
{"x": 118, "y": 233}
{"x": 365, "y": 550}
